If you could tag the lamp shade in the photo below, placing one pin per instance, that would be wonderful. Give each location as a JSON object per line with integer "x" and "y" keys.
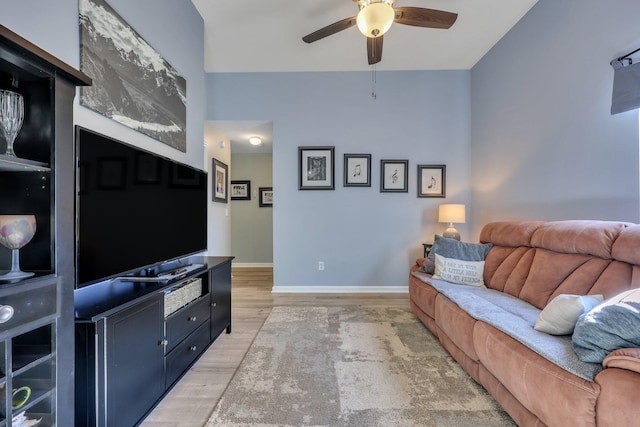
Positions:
{"x": 452, "y": 213}
{"x": 375, "y": 19}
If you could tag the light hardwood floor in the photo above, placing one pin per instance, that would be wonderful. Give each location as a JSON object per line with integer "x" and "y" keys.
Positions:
{"x": 192, "y": 400}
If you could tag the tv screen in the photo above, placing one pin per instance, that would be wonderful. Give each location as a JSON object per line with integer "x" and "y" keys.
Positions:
{"x": 134, "y": 208}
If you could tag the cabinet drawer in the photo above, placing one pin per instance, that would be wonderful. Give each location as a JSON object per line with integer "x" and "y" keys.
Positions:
{"x": 34, "y": 304}
{"x": 184, "y": 354}
{"x": 186, "y": 320}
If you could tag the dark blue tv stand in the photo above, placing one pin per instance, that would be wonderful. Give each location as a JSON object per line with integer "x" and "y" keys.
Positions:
{"x": 136, "y": 338}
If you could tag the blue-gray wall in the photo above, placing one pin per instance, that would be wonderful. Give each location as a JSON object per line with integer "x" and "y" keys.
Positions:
{"x": 544, "y": 145}
{"x": 365, "y": 238}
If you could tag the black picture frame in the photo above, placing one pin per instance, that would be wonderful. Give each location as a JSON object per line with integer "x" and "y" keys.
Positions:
{"x": 316, "y": 168}
{"x": 112, "y": 173}
{"x": 241, "y": 190}
{"x": 432, "y": 181}
{"x": 265, "y": 197}
{"x": 220, "y": 181}
{"x": 147, "y": 169}
{"x": 180, "y": 177}
{"x": 394, "y": 176}
{"x": 357, "y": 170}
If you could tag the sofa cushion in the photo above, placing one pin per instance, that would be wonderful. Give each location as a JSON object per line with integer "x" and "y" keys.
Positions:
{"x": 515, "y": 318}
{"x": 423, "y": 295}
{"x": 537, "y": 261}
{"x": 612, "y": 325}
{"x": 617, "y": 403}
{"x": 459, "y": 271}
{"x": 623, "y": 358}
{"x": 625, "y": 247}
{"x": 559, "y": 317}
{"x": 451, "y": 248}
{"x": 587, "y": 237}
{"x": 510, "y": 233}
{"x": 553, "y": 394}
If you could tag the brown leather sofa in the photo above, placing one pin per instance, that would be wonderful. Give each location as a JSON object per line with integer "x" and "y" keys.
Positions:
{"x": 535, "y": 261}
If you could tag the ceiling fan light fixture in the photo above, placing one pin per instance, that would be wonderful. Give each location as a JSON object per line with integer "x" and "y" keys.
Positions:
{"x": 375, "y": 19}
{"x": 255, "y": 140}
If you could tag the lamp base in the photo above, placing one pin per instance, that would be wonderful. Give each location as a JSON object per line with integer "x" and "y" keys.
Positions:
{"x": 451, "y": 233}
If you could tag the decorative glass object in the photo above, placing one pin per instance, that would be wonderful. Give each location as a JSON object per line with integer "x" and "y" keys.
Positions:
{"x": 11, "y": 117}
{"x": 15, "y": 232}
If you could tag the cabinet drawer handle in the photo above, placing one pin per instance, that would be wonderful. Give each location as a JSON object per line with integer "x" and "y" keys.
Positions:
{"x": 164, "y": 342}
{"x": 193, "y": 348}
{"x": 214, "y": 304}
{"x": 192, "y": 319}
{"x": 6, "y": 313}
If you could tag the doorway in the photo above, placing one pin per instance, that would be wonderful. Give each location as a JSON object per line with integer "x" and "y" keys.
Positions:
{"x": 251, "y": 207}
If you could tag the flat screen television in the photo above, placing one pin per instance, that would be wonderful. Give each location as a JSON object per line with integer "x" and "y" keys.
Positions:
{"x": 134, "y": 209}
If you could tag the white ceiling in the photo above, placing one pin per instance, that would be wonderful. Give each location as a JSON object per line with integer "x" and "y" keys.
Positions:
{"x": 266, "y": 36}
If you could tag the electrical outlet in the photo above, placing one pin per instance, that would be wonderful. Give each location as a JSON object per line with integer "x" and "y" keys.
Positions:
{"x": 320, "y": 265}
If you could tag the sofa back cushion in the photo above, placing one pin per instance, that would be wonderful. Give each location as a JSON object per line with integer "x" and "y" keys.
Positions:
{"x": 536, "y": 261}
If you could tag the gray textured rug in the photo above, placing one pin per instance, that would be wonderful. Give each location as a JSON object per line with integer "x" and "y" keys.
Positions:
{"x": 351, "y": 366}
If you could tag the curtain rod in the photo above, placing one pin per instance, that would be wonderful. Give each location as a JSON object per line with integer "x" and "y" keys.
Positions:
{"x": 628, "y": 55}
{"x": 617, "y": 63}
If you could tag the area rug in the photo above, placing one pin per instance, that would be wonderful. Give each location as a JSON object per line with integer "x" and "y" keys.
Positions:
{"x": 351, "y": 366}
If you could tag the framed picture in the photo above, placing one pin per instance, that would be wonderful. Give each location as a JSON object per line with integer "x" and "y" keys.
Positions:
{"x": 357, "y": 170}
{"x": 182, "y": 177}
{"x": 147, "y": 168}
{"x": 156, "y": 93}
{"x": 219, "y": 181}
{"x": 432, "y": 180}
{"x": 394, "y": 176}
{"x": 316, "y": 168}
{"x": 265, "y": 197}
{"x": 112, "y": 173}
{"x": 240, "y": 190}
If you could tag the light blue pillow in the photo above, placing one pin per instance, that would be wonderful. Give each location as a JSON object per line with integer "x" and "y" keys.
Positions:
{"x": 451, "y": 248}
{"x": 612, "y": 325}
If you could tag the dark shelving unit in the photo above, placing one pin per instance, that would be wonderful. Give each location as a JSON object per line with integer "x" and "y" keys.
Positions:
{"x": 36, "y": 342}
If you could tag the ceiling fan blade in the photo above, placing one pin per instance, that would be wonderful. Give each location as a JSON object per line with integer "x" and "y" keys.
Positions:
{"x": 421, "y": 17}
{"x": 374, "y": 49}
{"x": 330, "y": 29}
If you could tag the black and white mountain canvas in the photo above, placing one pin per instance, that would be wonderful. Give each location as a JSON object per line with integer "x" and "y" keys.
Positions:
{"x": 132, "y": 83}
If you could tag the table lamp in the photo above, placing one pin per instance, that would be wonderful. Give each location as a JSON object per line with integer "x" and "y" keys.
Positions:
{"x": 451, "y": 213}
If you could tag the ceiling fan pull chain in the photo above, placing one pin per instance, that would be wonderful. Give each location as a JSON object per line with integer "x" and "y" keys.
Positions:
{"x": 374, "y": 94}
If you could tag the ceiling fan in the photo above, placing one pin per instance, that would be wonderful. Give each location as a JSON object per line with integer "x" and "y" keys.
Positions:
{"x": 375, "y": 18}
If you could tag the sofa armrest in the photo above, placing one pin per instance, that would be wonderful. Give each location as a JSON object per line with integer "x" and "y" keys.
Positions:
{"x": 624, "y": 358}
{"x": 419, "y": 262}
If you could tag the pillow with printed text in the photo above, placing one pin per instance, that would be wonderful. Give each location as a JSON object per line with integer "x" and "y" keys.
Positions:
{"x": 459, "y": 271}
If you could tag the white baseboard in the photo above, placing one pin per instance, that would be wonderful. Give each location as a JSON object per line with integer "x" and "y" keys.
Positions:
{"x": 340, "y": 289}
{"x": 252, "y": 264}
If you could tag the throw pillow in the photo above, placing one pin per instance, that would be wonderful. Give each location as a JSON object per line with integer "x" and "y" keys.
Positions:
{"x": 612, "y": 325}
{"x": 451, "y": 248}
{"x": 428, "y": 266}
{"x": 459, "y": 271}
{"x": 559, "y": 317}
